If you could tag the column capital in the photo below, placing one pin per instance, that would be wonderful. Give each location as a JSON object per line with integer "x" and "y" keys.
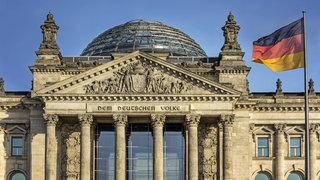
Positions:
{"x": 314, "y": 127}
{"x": 51, "y": 119}
{"x": 192, "y": 119}
{"x": 227, "y": 119}
{"x": 85, "y": 119}
{"x": 280, "y": 127}
{"x": 158, "y": 120}
{"x": 120, "y": 119}
{"x": 2, "y": 128}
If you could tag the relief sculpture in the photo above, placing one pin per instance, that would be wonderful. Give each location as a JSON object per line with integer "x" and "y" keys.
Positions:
{"x": 208, "y": 151}
{"x": 70, "y": 150}
{"x": 138, "y": 78}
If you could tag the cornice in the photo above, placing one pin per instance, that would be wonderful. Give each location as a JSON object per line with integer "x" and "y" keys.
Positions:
{"x": 284, "y": 108}
{"x": 141, "y": 98}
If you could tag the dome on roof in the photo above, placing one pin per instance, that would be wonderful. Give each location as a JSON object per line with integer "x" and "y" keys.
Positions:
{"x": 143, "y": 35}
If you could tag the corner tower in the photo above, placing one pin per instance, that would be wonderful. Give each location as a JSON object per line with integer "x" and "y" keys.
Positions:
{"x": 232, "y": 69}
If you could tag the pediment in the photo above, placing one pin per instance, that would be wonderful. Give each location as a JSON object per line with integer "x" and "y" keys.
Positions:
{"x": 137, "y": 73}
{"x": 263, "y": 130}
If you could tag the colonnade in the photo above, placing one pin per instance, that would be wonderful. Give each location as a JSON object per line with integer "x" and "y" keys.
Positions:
{"x": 120, "y": 122}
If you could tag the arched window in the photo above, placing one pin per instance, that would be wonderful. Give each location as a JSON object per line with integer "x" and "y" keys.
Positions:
{"x": 294, "y": 176}
{"x": 17, "y": 175}
{"x": 262, "y": 176}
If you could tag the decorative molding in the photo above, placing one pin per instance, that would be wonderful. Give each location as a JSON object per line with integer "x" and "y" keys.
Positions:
{"x": 51, "y": 119}
{"x": 314, "y": 127}
{"x": 157, "y": 120}
{"x": 280, "y": 128}
{"x": 2, "y": 128}
{"x": 192, "y": 120}
{"x": 120, "y": 119}
{"x": 85, "y": 119}
{"x": 142, "y": 98}
{"x": 284, "y": 108}
{"x": 227, "y": 119}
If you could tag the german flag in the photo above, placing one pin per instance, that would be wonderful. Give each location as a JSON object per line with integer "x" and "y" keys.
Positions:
{"x": 283, "y": 49}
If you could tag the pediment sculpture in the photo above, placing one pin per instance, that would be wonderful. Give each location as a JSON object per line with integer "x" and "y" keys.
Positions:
{"x": 138, "y": 78}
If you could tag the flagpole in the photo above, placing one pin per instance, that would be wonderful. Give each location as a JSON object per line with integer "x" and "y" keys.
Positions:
{"x": 306, "y": 104}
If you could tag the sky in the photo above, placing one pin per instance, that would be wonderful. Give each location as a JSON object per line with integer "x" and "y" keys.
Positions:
{"x": 82, "y": 20}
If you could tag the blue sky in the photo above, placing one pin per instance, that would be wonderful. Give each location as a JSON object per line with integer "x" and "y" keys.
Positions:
{"x": 81, "y": 21}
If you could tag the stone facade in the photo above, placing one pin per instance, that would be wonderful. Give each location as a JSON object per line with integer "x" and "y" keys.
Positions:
{"x": 223, "y": 122}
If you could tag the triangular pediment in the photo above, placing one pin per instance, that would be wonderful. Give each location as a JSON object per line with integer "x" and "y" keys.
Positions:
{"x": 137, "y": 73}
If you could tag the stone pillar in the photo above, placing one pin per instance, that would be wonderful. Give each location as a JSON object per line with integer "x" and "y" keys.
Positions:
{"x": 157, "y": 122}
{"x": 280, "y": 166}
{"x": 227, "y": 122}
{"x": 120, "y": 122}
{"x": 2, "y": 152}
{"x": 51, "y": 144}
{"x": 192, "y": 121}
{"x": 314, "y": 129}
{"x": 85, "y": 146}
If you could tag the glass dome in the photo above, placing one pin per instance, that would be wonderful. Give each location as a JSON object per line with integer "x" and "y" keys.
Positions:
{"x": 143, "y": 35}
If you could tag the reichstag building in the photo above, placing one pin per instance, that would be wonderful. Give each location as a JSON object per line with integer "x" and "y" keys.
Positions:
{"x": 143, "y": 101}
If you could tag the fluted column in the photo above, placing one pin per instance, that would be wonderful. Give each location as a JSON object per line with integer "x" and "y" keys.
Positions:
{"x": 120, "y": 122}
{"x": 192, "y": 121}
{"x": 157, "y": 122}
{"x": 227, "y": 122}
{"x": 280, "y": 128}
{"x": 51, "y": 143}
{"x": 85, "y": 121}
{"x": 314, "y": 128}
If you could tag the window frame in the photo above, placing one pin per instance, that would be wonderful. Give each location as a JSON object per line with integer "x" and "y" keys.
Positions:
{"x": 268, "y": 137}
{"x": 13, "y": 147}
{"x": 263, "y": 147}
{"x": 301, "y": 146}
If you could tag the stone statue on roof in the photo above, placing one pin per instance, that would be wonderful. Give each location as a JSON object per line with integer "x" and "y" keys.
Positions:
{"x": 230, "y": 32}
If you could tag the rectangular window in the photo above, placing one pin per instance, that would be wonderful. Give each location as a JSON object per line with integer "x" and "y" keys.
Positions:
{"x": 16, "y": 146}
{"x": 105, "y": 152}
{"x": 174, "y": 152}
{"x": 295, "y": 146}
{"x": 263, "y": 147}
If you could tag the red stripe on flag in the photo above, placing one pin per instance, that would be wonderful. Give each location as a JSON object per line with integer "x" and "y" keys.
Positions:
{"x": 287, "y": 46}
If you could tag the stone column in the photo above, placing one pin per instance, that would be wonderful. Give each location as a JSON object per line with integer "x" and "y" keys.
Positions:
{"x": 2, "y": 152}
{"x": 227, "y": 122}
{"x": 280, "y": 128}
{"x": 192, "y": 121}
{"x": 51, "y": 145}
{"x": 85, "y": 146}
{"x": 120, "y": 122}
{"x": 157, "y": 122}
{"x": 314, "y": 129}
